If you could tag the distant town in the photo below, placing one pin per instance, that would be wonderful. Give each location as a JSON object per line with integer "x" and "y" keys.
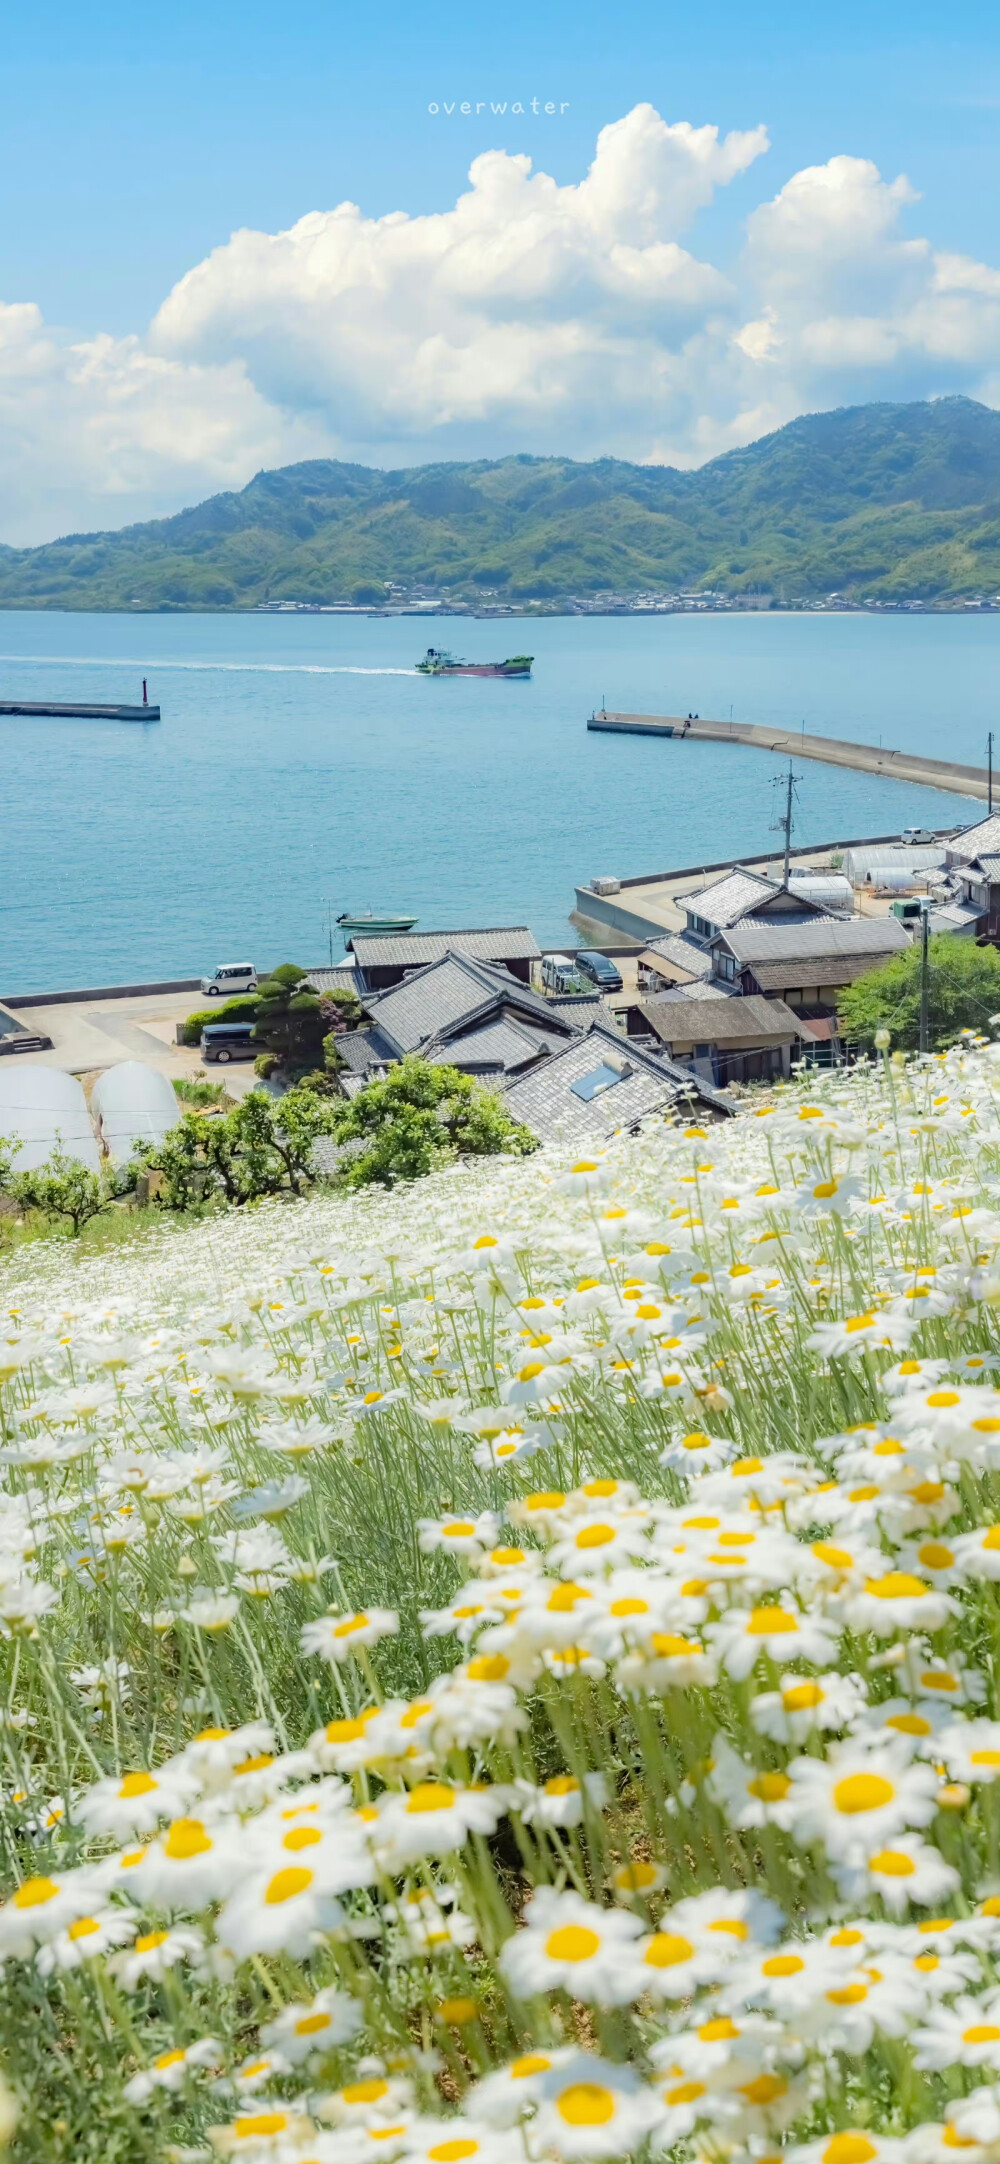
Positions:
{"x": 425, "y": 601}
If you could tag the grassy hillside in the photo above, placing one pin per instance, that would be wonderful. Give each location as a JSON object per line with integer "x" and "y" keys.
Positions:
{"x": 884, "y": 500}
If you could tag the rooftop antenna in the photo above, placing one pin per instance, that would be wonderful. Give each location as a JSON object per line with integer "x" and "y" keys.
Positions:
{"x": 783, "y": 823}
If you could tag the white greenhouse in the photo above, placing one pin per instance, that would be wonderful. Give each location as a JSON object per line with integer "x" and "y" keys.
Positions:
{"x": 44, "y": 1110}
{"x": 132, "y": 1103}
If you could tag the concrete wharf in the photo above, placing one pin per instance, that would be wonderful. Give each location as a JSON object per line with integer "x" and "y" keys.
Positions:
{"x": 971, "y": 781}
{"x": 61, "y": 711}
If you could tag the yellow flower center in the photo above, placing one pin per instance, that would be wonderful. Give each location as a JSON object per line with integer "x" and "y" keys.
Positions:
{"x": 666, "y": 1950}
{"x": 572, "y": 1942}
{"x": 770, "y": 1787}
{"x": 586, "y": 2103}
{"x": 285, "y": 1885}
{"x": 187, "y": 1838}
{"x": 896, "y": 1585}
{"x": 137, "y": 1784}
{"x": 430, "y": 1796}
{"x": 849, "y": 2149}
{"x": 771, "y": 1623}
{"x": 860, "y": 1792}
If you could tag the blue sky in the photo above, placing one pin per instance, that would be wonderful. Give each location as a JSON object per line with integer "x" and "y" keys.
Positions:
{"x": 137, "y": 141}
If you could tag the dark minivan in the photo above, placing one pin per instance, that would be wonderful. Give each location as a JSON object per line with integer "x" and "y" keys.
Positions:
{"x": 224, "y": 1041}
{"x": 601, "y": 972}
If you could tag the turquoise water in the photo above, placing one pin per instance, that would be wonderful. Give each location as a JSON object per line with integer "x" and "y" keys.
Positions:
{"x": 299, "y": 759}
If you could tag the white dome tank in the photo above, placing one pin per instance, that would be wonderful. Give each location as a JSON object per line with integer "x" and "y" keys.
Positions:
{"x": 132, "y": 1103}
{"x": 45, "y": 1109}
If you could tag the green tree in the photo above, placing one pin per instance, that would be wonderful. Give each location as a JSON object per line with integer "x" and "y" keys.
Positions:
{"x": 9, "y": 1146}
{"x": 963, "y": 992}
{"x": 64, "y": 1188}
{"x": 417, "y": 1118}
{"x": 264, "y": 1146}
{"x": 288, "y": 1021}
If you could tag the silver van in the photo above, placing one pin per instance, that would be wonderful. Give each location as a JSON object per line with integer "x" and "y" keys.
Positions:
{"x": 234, "y": 977}
{"x": 225, "y": 1041}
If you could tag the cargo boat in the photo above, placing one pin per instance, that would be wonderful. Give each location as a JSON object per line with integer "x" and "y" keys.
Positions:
{"x": 437, "y": 663}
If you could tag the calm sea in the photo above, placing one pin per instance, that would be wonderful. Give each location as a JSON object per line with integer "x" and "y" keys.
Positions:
{"x": 301, "y": 767}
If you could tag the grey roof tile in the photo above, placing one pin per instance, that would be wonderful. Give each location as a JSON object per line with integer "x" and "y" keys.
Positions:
{"x": 681, "y": 953}
{"x": 341, "y": 978}
{"x": 713, "y": 1022}
{"x": 545, "y": 1101}
{"x": 500, "y": 1044}
{"x": 984, "y": 835}
{"x": 728, "y": 899}
{"x": 485, "y": 943}
{"x": 809, "y": 938}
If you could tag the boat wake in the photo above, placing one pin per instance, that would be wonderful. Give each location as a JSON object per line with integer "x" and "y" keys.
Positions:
{"x": 236, "y": 668}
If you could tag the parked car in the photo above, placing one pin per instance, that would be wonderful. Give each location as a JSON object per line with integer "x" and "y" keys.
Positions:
{"x": 601, "y": 972}
{"x": 234, "y": 977}
{"x": 223, "y": 1041}
{"x": 917, "y": 834}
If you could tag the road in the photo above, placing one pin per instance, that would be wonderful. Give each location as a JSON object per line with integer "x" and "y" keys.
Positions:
{"x": 95, "y": 1033}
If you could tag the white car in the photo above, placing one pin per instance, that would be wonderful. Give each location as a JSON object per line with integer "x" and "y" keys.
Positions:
{"x": 234, "y": 977}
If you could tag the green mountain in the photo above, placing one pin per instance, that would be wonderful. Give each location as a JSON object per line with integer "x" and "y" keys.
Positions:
{"x": 899, "y": 502}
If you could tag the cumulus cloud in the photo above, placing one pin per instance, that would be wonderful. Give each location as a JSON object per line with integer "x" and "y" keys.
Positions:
{"x": 527, "y": 316}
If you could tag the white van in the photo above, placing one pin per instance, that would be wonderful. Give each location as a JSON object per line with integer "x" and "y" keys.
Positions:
{"x": 235, "y": 977}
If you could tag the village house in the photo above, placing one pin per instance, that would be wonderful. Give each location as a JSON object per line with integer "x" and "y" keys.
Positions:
{"x": 727, "y": 1040}
{"x": 475, "y": 1016}
{"x": 805, "y": 964}
{"x": 384, "y": 959}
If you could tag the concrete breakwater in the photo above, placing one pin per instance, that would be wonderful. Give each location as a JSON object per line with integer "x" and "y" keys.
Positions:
{"x": 60, "y": 711}
{"x": 971, "y": 781}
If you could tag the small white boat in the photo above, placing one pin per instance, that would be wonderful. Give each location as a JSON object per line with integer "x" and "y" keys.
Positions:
{"x": 369, "y": 920}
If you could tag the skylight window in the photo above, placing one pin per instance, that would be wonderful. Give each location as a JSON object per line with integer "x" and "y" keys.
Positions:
{"x": 598, "y": 1080}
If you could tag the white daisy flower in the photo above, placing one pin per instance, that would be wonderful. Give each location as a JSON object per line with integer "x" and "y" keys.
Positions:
{"x": 971, "y": 1750}
{"x": 337, "y": 1637}
{"x": 779, "y": 1632}
{"x": 571, "y": 1944}
{"x": 857, "y": 1800}
{"x": 590, "y": 2109}
{"x": 908, "y": 1871}
{"x": 965, "y": 2034}
{"x": 84, "y": 1939}
{"x": 435, "y": 1817}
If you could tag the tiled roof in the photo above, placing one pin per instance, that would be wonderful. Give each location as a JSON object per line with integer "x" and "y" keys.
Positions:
{"x": 545, "y": 1101}
{"x": 501, "y": 1045}
{"x": 721, "y": 1022}
{"x": 434, "y": 1001}
{"x": 818, "y": 970}
{"x": 684, "y": 994}
{"x": 680, "y": 952}
{"x": 988, "y": 863}
{"x": 362, "y": 1049}
{"x": 343, "y": 977}
{"x": 812, "y": 937}
{"x": 728, "y": 899}
{"x": 486, "y": 943}
{"x": 580, "y": 1010}
{"x": 955, "y": 917}
{"x": 984, "y": 835}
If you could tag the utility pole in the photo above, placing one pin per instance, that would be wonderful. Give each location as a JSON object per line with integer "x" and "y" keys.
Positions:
{"x": 783, "y": 823}
{"x": 989, "y": 785}
{"x": 329, "y": 925}
{"x": 924, "y": 973}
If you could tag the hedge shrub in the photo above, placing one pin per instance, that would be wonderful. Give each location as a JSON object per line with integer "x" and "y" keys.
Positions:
{"x": 241, "y": 1009}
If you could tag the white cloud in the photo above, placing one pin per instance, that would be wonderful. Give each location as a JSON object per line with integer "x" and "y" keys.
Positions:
{"x": 528, "y": 316}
